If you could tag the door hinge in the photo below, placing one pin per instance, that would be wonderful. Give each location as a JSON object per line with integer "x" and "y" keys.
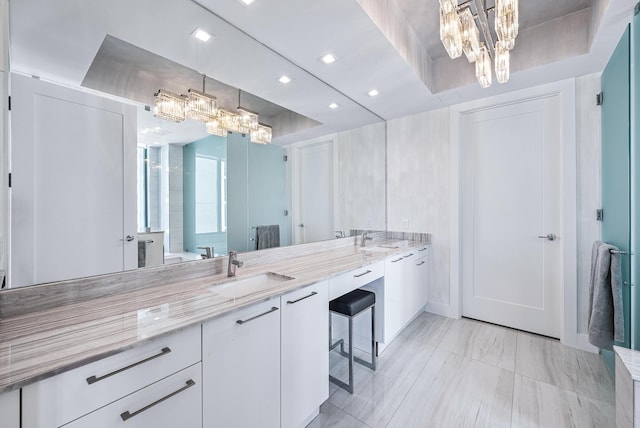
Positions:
{"x": 285, "y": 158}
{"x": 9, "y": 179}
{"x": 599, "y": 99}
{"x": 286, "y": 212}
{"x": 9, "y": 104}
{"x": 600, "y": 215}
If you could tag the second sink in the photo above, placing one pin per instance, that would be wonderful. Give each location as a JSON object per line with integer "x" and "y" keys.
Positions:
{"x": 235, "y": 289}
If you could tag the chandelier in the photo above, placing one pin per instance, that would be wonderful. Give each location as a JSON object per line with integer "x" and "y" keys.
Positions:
{"x": 459, "y": 33}
{"x": 198, "y": 105}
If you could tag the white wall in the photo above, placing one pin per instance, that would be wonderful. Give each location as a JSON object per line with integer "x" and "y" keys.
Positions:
{"x": 418, "y": 188}
{"x": 588, "y": 180}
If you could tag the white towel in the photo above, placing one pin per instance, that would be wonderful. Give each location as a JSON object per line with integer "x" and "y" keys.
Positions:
{"x": 606, "y": 318}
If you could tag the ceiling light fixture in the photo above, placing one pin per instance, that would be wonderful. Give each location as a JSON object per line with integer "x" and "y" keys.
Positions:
{"x": 333, "y": 106}
{"x": 459, "y": 33}
{"x": 373, "y": 93}
{"x": 201, "y": 35}
{"x": 284, "y": 79}
{"x": 247, "y": 2}
{"x": 329, "y": 58}
{"x": 203, "y": 107}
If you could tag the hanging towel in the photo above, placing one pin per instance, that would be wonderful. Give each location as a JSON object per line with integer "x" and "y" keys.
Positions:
{"x": 606, "y": 318}
{"x": 142, "y": 253}
{"x": 267, "y": 236}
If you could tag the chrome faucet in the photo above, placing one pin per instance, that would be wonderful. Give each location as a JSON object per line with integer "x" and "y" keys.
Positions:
{"x": 365, "y": 238}
{"x": 233, "y": 263}
{"x": 208, "y": 252}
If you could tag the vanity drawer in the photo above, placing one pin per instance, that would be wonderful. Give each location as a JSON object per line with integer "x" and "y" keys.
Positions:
{"x": 67, "y": 396}
{"x": 349, "y": 281}
{"x": 175, "y": 401}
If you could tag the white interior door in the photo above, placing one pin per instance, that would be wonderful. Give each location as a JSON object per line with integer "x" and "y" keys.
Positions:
{"x": 315, "y": 220}
{"x": 511, "y": 195}
{"x": 73, "y": 194}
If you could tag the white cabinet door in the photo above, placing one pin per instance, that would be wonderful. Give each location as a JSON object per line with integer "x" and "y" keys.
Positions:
{"x": 73, "y": 192}
{"x": 10, "y": 409}
{"x": 421, "y": 283}
{"x": 305, "y": 354}
{"x": 394, "y": 288}
{"x": 175, "y": 401}
{"x": 241, "y": 368}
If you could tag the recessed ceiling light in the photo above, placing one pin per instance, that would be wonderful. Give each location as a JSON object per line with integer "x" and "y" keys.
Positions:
{"x": 329, "y": 58}
{"x": 284, "y": 79}
{"x": 200, "y": 34}
{"x": 333, "y": 105}
{"x": 247, "y": 2}
{"x": 373, "y": 92}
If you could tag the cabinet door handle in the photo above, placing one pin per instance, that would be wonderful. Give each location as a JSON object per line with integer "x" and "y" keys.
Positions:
{"x": 419, "y": 264}
{"x": 273, "y": 309}
{"x": 396, "y": 261}
{"x": 126, "y": 415}
{"x": 423, "y": 249}
{"x": 94, "y": 379}
{"x": 362, "y": 274}
{"x": 407, "y": 256}
{"x": 291, "y": 302}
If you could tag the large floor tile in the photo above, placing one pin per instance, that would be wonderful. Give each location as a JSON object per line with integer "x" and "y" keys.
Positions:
{"x": 484, "y": 342}
{"x": 331, "y": 416}
{"x": 378, "y": 394}
{"x": 428, "y": 328}
{"x": 547, "y": 360}
{"x": 538, "y": 404}
{"x": 454, "y": 391}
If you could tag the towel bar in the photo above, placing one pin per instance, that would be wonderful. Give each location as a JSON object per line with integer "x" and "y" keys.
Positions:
{"x": 624, "y": 253}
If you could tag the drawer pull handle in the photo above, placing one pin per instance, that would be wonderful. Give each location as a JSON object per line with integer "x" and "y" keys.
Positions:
{"x": 291, "y": 302}
{"x": 273, "y": 309}
{"x": 126, "y": 415}
{"x": 419, "y": 264}
{"x": 423, "y": 249}
{"x": 94, "y": 379}
{"x": 396, "y": 261}
{"x": 407, "y": 256}
{"x": 362, "y": 274}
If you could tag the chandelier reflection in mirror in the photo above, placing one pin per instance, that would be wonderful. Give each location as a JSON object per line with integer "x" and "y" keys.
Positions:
{"x": 198, "y": 105}
{"x": 460, "y": 30}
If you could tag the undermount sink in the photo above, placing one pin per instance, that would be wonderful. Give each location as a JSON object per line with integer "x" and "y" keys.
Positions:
{"x": 235, "y": 289}
{"x": 378, "y": 248}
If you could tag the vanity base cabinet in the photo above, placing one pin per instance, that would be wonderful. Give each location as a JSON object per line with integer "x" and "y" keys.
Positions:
{"x": 305, "y": 355}
{"x": 65, "y": 397}
{"x": 241, "y": 368}
{"x": 10, "y": 409}
{"x": 175, "y": 401}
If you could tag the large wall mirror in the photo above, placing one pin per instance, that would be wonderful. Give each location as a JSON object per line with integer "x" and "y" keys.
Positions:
{"x": 182, "y": 193}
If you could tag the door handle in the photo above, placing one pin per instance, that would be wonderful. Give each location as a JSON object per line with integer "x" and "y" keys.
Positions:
{"x": 128, "y": 238}
{"x": 549, "y": 237}
{"x": 301, "y": 225}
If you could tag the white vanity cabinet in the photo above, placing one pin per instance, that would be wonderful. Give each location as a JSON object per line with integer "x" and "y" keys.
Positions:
{"x": 10, "y": 409}
{"x": 419, "y": 288}
{"x": 304, "y": 353}
{"x": 175, "y": 401}
{"x": 63, "y": 398}
{"x": 241, "y": 368}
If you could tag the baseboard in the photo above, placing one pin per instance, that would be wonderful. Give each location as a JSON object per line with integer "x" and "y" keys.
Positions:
{"x": 445, "y": 310}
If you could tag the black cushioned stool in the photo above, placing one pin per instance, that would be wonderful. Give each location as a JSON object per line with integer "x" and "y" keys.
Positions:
{"x": 351, "y": 305}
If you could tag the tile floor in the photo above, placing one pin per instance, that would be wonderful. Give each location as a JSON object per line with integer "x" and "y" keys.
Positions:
{"x": 462, "y": 373}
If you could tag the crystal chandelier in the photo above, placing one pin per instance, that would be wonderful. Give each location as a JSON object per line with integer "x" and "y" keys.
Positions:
{"x": 198, "y": 105}
{"x": 459, "y": 33}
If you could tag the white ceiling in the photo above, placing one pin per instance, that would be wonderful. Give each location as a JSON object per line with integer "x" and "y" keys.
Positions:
{"x": 253, "y": 45}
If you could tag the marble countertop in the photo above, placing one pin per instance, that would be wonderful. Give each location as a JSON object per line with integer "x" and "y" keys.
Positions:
{"x": 41, "y": 343}
{"x": 631, "y": 360}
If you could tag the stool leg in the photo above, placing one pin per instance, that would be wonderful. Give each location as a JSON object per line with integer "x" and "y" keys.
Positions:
{"x": 373, "y": 337}
{"x": 350, "y": 355}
